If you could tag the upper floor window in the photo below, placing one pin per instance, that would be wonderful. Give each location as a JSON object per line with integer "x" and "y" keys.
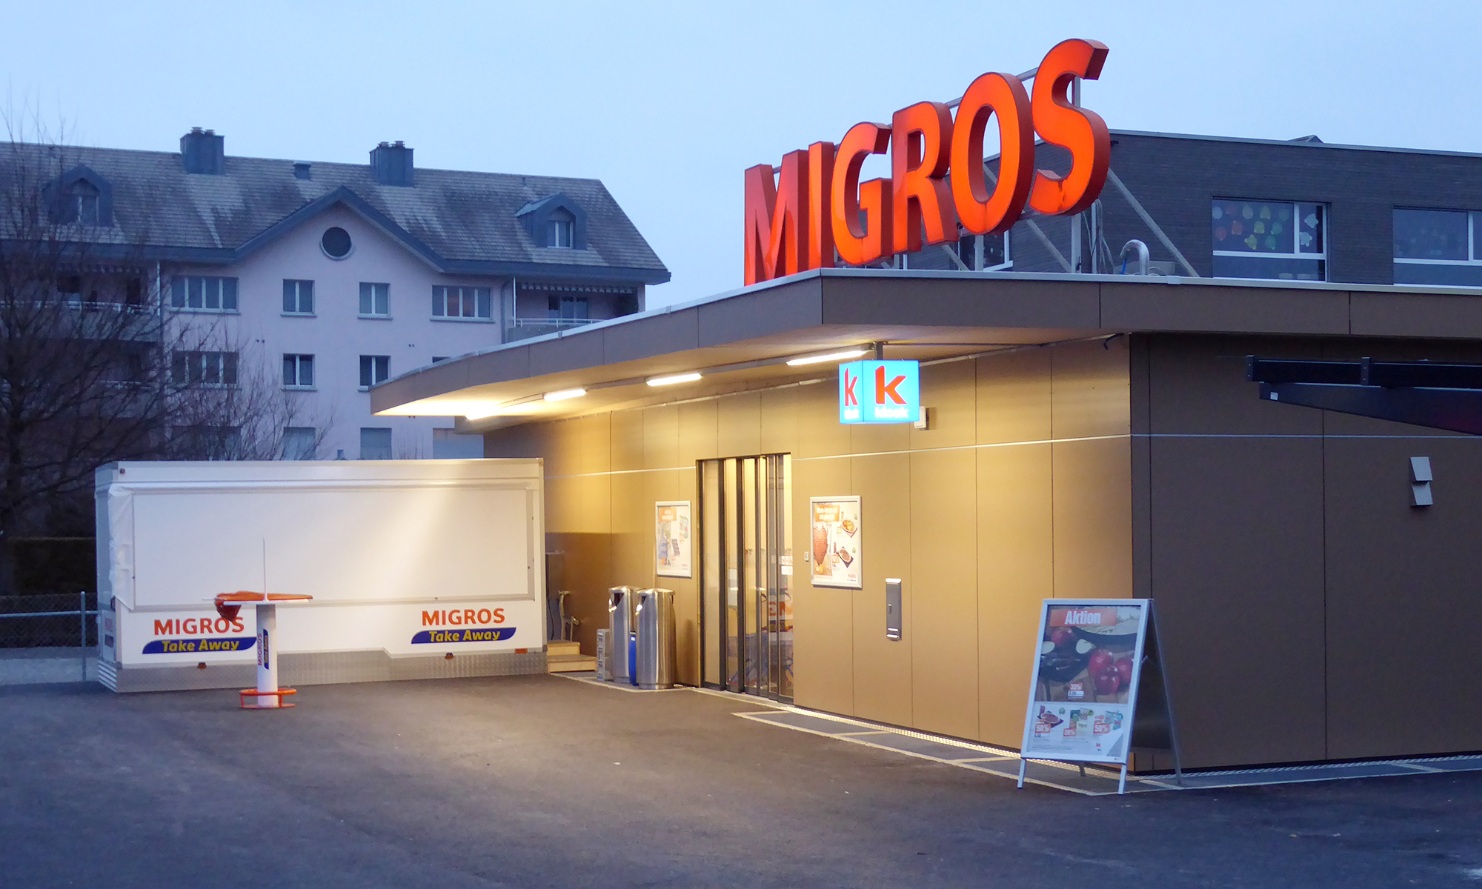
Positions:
{"x": 568, "y": 308}
{"x": 561, "y": 229}
{"x": 298, "y": 297}
{"x": 82, "y": 203}
{"x": 79, "y": 197}
{"x": 298, "y": 371}
{"x": 374, "y": 369}
{"x": 300, "y": 442}
{"x": 375, "y": 300}
{"x": 1280, "y": 240}
{"x": 1438, "y": 247}
{"x": 995, "y": 255}
{"x": 462, "y": 302}
{"x": 203, "y": 368}
{"x": 203, "y": 293}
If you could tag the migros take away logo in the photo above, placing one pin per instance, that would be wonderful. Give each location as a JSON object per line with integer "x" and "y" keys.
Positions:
{"x": 198, "y": 635}
{"x": 453, "y": 625}
{"x": 879, "y": 392}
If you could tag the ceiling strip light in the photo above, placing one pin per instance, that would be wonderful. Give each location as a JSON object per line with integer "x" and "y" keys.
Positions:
{"x": 563, "y": 394}
{"x": 832, "y": 356}
{"x": 673, "y": 379}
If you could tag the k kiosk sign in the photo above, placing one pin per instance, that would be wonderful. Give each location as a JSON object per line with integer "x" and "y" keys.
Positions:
{"x": 879, "y": 392}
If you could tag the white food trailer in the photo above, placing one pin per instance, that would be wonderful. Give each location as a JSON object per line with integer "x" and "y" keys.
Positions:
{"x": 418, "y": 569}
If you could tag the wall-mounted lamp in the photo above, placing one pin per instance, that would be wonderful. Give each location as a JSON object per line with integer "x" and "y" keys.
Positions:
{"x": 673, "y": 379}
{"x": 831, "y": 356}
{"x": 1420, "y": 482}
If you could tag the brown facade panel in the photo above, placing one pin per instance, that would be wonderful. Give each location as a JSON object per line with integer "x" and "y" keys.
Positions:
{"x": 661, "y": 437}
{"x": 1402, "y": 597}
{"x": 1237, "y": 576}
{"x": 1013, "y": 396}
{"x": 882, "y": 668}
{"x": 1197, "y": 385}
{"x": 1092, "y": 503}
{"x": 1016, "y": 572}
{"x": 1195, "y": 307}
{"x": 739, "y": 426}
{"x": 943, "y": 592}
{"x": 1089, "y": 393}
{"x": 823, "y": 618}
{"x": 951, "y": 404}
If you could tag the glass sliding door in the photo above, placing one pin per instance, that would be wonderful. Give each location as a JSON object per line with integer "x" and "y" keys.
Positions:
{"x": 746, "y": 602}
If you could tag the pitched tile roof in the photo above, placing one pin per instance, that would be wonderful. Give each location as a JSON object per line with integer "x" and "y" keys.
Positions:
{"x": 462, "y": 222}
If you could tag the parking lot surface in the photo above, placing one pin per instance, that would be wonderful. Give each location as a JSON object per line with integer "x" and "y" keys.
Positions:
{"x": 545, "y": 781}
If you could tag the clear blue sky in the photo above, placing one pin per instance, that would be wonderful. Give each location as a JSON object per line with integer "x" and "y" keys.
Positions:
{"x": 668, "y": 103}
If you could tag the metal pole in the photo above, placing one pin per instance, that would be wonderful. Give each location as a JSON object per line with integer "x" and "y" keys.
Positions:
{"x": 82, "y": 630}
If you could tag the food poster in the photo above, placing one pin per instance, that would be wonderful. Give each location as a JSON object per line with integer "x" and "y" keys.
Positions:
{"x": 1085, "y": 680}
{"x": 672, "y": 538}
{"x": 835, "y": 548}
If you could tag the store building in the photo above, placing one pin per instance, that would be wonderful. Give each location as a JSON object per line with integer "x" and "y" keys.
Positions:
{"x": 1084, "y": 435}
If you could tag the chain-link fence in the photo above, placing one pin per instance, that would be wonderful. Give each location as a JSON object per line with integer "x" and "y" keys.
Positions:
{"x": 49, "y": 620}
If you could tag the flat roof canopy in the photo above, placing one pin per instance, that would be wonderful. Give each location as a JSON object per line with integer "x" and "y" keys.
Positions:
{"x": 743, "y": 340}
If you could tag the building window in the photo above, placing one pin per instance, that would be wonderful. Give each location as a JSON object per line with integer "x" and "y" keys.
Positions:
{"x": 471, "y": 303}
{"x": 299, "y": 443}
{"x": 203, "y": 368}
{"x": 206, "y": 442}
{"x": 203, "y": 293}
{"x": 298, "y": 371}
{"x": 561, "y": 229}
{"x": 375, "y": 300}
{"x": 298, "y": 297}
{"x": 1279, "y": 240}
{"x": 1438, "y": 247}
{"x": 995, "y": 255}
{"x": 375, "y": 443}
{"x": 336, "y": 243}
{"x": 374, "y": 369}
{"x": 83, "y": 200}
{"x": 568, "y": 309}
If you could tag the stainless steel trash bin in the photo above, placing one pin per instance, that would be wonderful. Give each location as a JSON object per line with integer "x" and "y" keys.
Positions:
{"x": 620, "y": 604}
{"x": 655, "y": 638}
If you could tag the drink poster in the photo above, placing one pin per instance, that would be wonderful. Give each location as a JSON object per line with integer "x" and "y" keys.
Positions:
{"x": 1084, "y": 688}
{"x": 672, "y": 545}
{"x": 835, "y": 547}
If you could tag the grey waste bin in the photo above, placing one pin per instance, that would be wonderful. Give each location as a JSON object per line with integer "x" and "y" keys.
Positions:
{"x": 655, "y": 638}
{"x": 620, "y": 604}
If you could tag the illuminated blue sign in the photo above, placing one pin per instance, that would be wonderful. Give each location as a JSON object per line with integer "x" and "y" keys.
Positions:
{"x": 879, "y": 392}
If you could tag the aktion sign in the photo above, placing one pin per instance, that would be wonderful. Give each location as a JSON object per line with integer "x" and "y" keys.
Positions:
{"x": 1084, "y": 691}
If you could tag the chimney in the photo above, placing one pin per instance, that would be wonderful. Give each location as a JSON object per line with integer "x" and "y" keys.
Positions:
{"x": 301, "y": 170}
{"x": 202, "y": 151}
{"x": 391, "y": 163}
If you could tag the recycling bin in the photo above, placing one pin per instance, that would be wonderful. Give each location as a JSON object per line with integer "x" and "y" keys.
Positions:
{"x": 655, "y": 616}
{"x": 620, "y": 605}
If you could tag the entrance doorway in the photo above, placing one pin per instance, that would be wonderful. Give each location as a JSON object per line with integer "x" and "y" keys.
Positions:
{"x": 746, "y": 575}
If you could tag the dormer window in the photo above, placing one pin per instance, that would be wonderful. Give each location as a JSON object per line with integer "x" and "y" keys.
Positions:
{"x": 80, "y": 197}
{"x": 562, "y": 229}
{"x": 82, "y": 203}
{"x": 555, "y": 221}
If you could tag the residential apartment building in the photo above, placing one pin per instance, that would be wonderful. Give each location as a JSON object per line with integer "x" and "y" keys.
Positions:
{"x": 301, "y": 285}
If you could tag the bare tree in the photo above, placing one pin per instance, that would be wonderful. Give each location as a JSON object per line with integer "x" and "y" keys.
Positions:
{"x": 92, "y": 366}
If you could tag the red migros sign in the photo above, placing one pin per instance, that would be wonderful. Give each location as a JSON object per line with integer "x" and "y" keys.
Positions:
{"x": 816, "y": 206}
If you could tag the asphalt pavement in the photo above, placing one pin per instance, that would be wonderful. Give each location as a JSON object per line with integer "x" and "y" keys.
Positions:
{"x": 545, "y": 781}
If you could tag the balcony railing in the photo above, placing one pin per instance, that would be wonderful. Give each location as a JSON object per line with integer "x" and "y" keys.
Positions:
{"x": 523, "y": 328}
